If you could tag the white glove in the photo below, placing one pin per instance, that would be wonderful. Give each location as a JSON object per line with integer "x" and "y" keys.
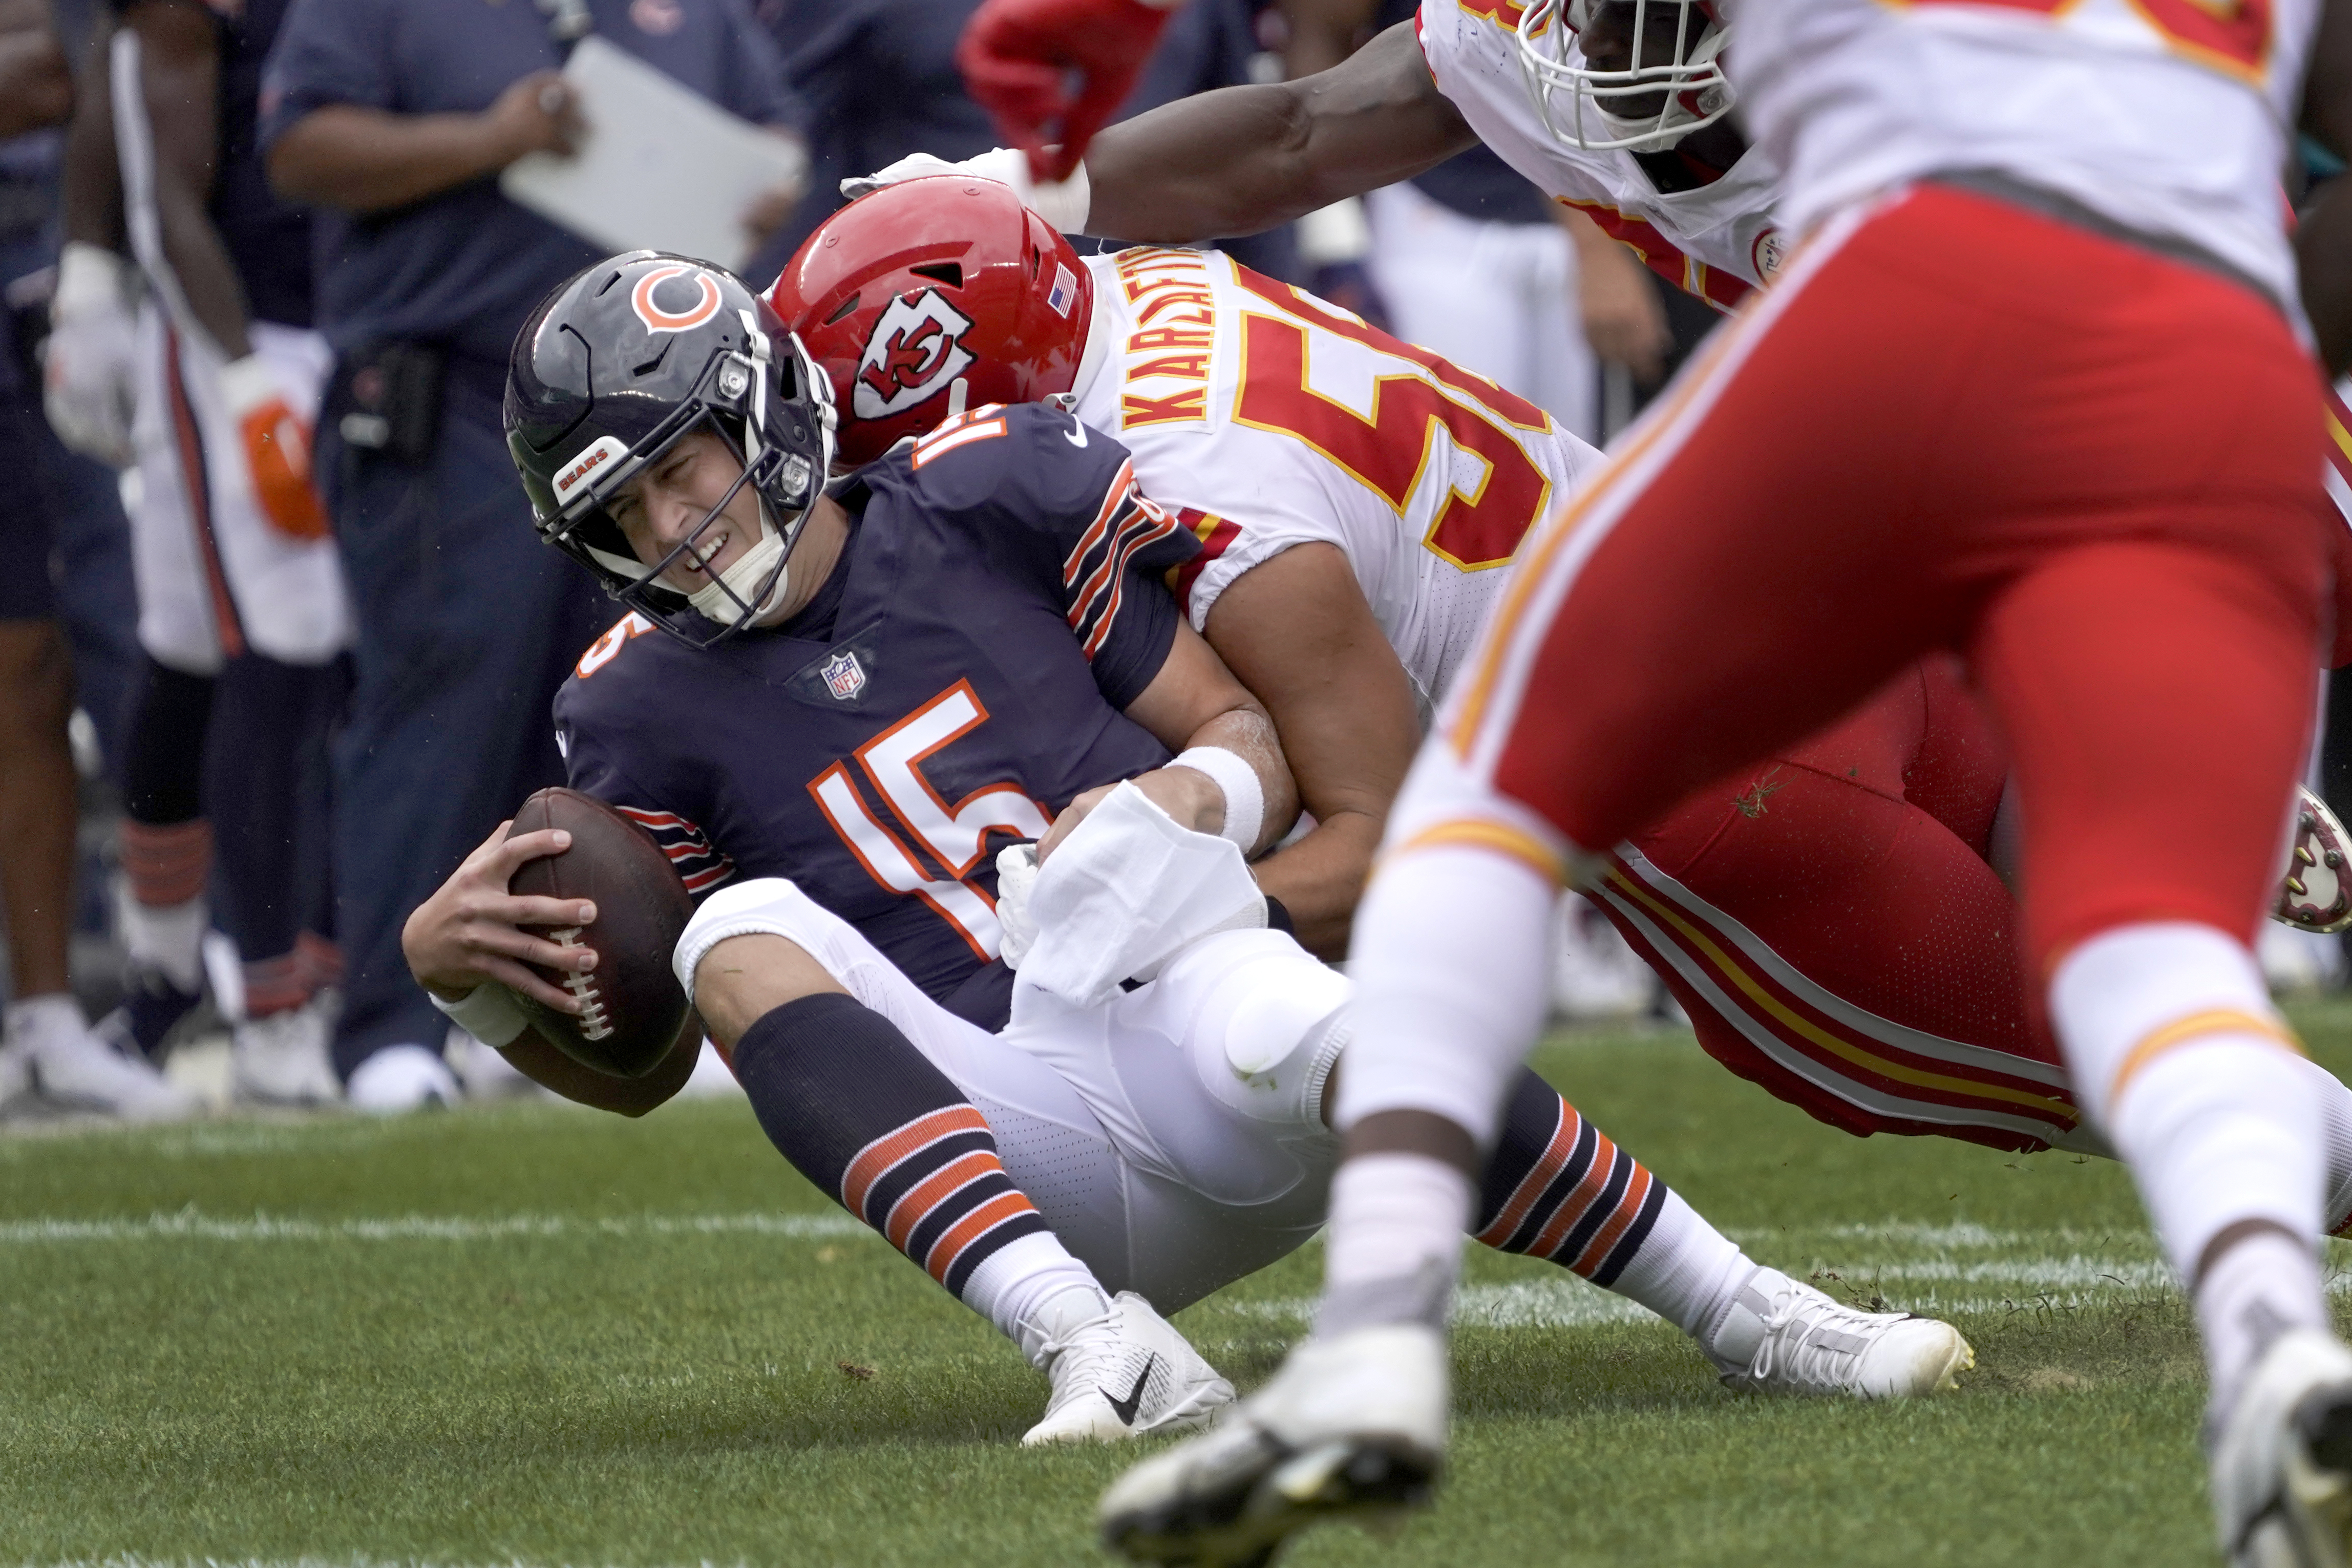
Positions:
{"x": 1016, "y": 877}
{"x": 1130, "y": 888}
{"x": 87, "y": 365}
{"x": 1061, "y": 202}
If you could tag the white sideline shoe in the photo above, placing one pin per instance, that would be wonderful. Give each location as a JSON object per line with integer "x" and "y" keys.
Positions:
{"x": 1785, "y": 1337}
{"x": 282, "y": 1060}
{"x": 1352, "y": 1426}
{"x": 78, "y": 1069}
{"x": 398, "y": 1078}
{"x": 2283, "y": 1459}
{"x": 1122, "y": 1373}
{"x": 485, "y": 1074}
{"x": 2316, "y": 894}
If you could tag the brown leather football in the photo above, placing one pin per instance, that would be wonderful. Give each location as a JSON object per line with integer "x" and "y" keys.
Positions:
{"x": 635, "y": 1005}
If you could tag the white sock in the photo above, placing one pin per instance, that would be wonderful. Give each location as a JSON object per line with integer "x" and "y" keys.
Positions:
{"x": 2335, "y": 1102}
{"x": 29, "y": 1024}
{"x": 168, "y": 936}
{"x": 1452, "y": 955}
{"x": 2266, "y": 1283}
{"x": 1687, "y": 1272}
{"x": 2175, "y": 1050}
{"x": 1015, "y": 1282}
{"x": 1395, "y": 1245}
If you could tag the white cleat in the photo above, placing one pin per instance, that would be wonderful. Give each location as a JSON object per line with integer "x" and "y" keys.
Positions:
{"x": 1122, "y": 1373}
{"x": 83, "y": 1071}
{"x": 1782, "y": 1336}
{"x": 2283, "y": 1459}
{"x": 1352, "y": 1426}
{"x": 2316, "y": 894}
{"x": 400, "y": 1079}
{"x": 282, "y": 1060}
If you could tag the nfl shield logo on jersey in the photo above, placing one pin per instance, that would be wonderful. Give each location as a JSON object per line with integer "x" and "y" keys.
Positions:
{"x": 844, "y": 676}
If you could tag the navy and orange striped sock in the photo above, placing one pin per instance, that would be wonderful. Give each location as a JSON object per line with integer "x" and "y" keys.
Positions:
{"x": 846, "y": 1097}
{"x": 1557, "y": 1187}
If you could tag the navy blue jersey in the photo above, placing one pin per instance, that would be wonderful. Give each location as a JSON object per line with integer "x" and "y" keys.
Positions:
{"x": 959, "y": 677}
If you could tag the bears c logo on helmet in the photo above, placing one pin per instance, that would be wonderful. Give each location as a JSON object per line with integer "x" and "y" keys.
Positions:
{"x": 659, "y": 320}
{"x": 916, "y": 349}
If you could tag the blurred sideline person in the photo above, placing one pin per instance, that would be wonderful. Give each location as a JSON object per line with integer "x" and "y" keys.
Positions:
{"x": 393, "y": 120}
{"x": 980, "y": 616}
{"x": 1476, "y": 263}
{"x": 47, "y": 1042}
{"x": 243, "y": 614}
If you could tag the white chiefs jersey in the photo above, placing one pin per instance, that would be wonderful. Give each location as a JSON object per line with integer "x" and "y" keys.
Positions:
{"x": 1719, "y": 241}
{"x": 1266, "y": 419}
{"x": 2170, "y": 117}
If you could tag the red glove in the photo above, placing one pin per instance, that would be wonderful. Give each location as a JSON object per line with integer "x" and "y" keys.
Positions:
{"x": 277, "y": 449}
{"x": 1017, "y": 57}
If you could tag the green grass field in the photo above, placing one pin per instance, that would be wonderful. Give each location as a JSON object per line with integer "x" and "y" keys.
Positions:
{"x": 538, "y": 1335}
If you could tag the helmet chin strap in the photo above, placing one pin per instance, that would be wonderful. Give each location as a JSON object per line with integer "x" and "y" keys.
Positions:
{"x": 733, "y": 596}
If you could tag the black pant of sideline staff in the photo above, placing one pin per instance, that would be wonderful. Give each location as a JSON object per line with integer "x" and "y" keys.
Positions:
{"x": 467, "y": 625}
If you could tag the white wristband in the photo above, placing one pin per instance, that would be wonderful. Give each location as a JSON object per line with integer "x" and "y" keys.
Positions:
{"x": 488, "y": 1013}
{"x": 1245, "y": 796}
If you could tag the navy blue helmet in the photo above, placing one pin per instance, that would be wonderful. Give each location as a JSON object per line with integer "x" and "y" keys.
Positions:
{"x": 612, "y": 370}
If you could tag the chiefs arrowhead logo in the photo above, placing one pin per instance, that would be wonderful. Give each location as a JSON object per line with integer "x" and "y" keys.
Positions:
{"x": 914, "y": 351}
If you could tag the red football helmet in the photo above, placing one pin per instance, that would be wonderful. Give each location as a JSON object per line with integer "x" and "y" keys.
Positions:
{"x": 902, "y": 295}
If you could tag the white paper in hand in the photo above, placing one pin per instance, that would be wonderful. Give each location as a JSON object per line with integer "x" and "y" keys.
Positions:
{"x": 661, "y": 167}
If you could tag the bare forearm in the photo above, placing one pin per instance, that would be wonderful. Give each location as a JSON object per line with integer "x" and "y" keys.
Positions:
{"x": 92, "y": 180}
{"x": 1249, "y": 734}
{"x": 1320, "y": 879}
{"x": 367, "y": 159}
{"x": 1246, "y": 158}
{"x": 179, "y": 79}
{"x": 1322, "y": 33}
{"x": 36, "y": 88}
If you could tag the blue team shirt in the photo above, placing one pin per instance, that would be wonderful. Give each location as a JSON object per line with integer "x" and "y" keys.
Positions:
{"x": 464, "y": 268}
{"x": 957, "y": 680}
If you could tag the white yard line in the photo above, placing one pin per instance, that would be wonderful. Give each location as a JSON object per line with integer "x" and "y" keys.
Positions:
{"x": 189, "y": 1225}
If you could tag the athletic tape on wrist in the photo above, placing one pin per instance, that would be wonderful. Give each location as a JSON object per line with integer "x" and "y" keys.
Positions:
{"x": 1245, "y": 796}
{"x": 488, "y": 1013}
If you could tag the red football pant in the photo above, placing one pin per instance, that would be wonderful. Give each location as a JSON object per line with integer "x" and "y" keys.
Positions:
{"x": 1955, "y": 424}
{"x": 1857, "y": 857}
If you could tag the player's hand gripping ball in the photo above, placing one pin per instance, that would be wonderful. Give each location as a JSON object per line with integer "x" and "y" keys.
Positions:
{"x": 633, "y": 1006}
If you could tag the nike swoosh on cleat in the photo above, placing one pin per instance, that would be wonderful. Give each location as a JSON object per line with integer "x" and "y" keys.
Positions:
{"x": 1125, "y": 1409}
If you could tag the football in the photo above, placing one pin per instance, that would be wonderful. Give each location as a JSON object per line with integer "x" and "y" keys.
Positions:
{"x": 636, "y": 1007}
